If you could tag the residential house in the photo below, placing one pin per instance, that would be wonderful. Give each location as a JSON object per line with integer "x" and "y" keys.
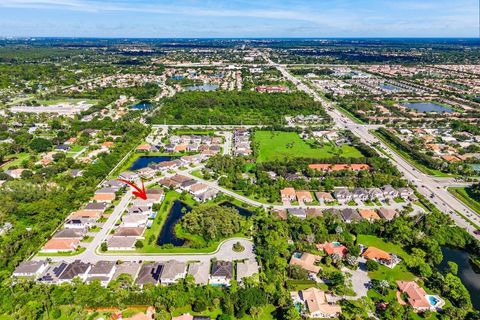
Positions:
{"x": 382, "y": 257}
{"x": 86, "y": 214}
{"x": 389, "y": 192}
{"x": 318, "y": 304}
{"x": 96, "y": 206}
{"x": 130, "y": 268}
{"x": 79, "y": 223}
{"x": 200, "y": 272}
{"x": 332, "y": 248}
{"x": 116, "y": 243}
{"x": 387, "y": 214}
{"x": 342, "y": 194}
{"x": 15, "y": 173}
{"x": 198, "y": 188}
{"x": 147, "y": 172}
{"x": 405, "y": 193}
{"x": 360, "y": 194}
{"x": 54, "y": 271}
{"x": 149, "y": 274}
{"x": 304, "y": 196}
{"x": 417, "y": 297}
{"x": 102, "y": 271}
{"x": 60, "y": 245}
{"x": 173, "y": 271}
{"x": 105, "y": 195}
{"x": 376, "y": 194}
{"x": 305, "y": 261}
{"x": 75, "y": 269}
{"x": 368, "y": 214}
{"x": 297, "y": 212}
{"x": 129, "y": 232}
{"x": 207, "y": 195}
{"x": 288, "y": 194}
{"x": 139, "y": 210}
{"x": 129, "y": 176}
{"x": 222, "y": 273}
{"x": 30, "y": 269}
{"x": 63, "y": 147}
{"x": 135, "y": 220}
{"x": 156, "y": 195}
{"x": 70, "y": 234}
{"x": 350, "y": 215}
{"x": 246, "y": 269}
{"x": 325, "y": 197}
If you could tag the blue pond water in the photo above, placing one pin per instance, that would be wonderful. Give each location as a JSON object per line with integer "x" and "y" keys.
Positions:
{"x": 142, "y": 106}
{"x": 178, "y": 210}
{"x": 145, "y": 161}
{"x": 428, "y": 107}
{"x": 167, "y": 235}
{"x": 470, "y": 279}
{"x": 389, "y": 87}
{"x": 204, "y": 87}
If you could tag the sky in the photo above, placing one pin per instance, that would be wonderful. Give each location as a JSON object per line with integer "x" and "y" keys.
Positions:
{"x": 238, "y": 18}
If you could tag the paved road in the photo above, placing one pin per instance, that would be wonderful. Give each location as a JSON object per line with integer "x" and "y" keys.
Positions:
{"x": 426, "y": 185}
{"x": 224, "y": 252}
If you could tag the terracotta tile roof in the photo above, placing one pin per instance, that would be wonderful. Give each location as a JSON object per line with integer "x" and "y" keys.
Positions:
{"x": 368, "y": 214}
{"x": 86, "y": 214}
{"x": 104, "y": 197}
{"x": 416, "y": 294}
{"x": 377, "y": 254}
{"x": 61, "y": 244}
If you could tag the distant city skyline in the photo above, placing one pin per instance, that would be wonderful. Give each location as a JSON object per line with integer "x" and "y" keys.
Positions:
{"x": 239, "y": 18}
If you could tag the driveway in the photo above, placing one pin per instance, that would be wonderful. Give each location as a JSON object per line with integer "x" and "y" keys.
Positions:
{"x": 359, "y": 278}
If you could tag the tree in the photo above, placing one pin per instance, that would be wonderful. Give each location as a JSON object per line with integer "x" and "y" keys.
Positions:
{"x": 372, "y": 265}
{"x": 452, "y": 267}
{"x": 139, "y": 244}
{"x": 40, "y": 145}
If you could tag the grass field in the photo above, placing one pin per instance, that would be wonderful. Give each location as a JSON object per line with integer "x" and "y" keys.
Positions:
{"x": 19, "y": 158}
{"x": 462, "y": 194}
{"x": 278, "y": 145}
{"x": 377, "y": 242}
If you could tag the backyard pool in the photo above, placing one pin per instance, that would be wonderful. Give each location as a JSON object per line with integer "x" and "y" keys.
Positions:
{"x": 142, "y": 106}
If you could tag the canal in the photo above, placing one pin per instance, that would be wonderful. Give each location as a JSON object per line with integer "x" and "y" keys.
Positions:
{"x": 469, "y": 278}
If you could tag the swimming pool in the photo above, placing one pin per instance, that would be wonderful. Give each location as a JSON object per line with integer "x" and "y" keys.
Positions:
{"x": 434, "y": 301}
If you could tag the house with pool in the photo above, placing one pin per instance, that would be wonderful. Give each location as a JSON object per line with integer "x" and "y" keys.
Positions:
{"x": 417, "y": 297}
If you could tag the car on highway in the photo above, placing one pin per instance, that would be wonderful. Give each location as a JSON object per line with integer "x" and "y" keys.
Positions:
{"x": 477, "y": 232}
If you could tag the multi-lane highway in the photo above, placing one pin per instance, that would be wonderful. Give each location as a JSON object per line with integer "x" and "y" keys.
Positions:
{"x": 428, "y": 186}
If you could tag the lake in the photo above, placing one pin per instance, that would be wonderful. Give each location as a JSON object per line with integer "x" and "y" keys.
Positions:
{"x": 167, "y": 234}
{"x": 142, "y": 106}
{"x": 469, "y": 278}
{"x": 389, "y": 87}
{"x": 204, "y": 87}
{"x": 145, "y": 161}
{"x": 428, "y": 107}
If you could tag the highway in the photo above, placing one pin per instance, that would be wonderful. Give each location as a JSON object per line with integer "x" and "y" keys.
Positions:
{"x": 428, "y": 186}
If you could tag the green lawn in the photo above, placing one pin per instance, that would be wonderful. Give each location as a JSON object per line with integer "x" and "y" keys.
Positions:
{"x": 278, "y": 145}
{"x": 399, "y": 272}
{"x": 462, "y": 194}
{"x": 377, "y": 242}
{"x": 19, "y": 158}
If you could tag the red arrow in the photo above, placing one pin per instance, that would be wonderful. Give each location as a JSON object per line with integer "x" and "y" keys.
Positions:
{"x": 139, "y": 192}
